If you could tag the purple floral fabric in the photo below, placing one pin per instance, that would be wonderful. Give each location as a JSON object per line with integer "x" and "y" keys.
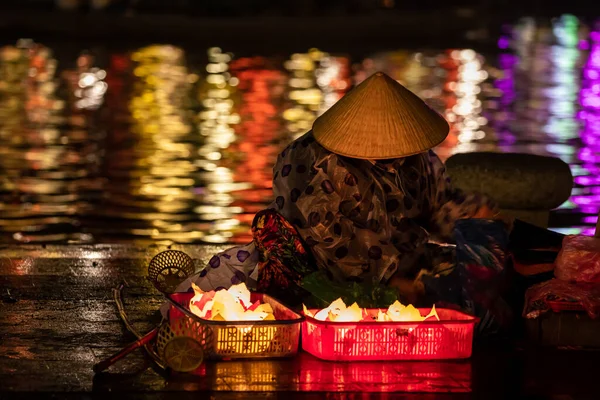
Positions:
{"x": 233, "y": 266}
{"x": 360, "y": 219}
{"x": 364, "y": 219}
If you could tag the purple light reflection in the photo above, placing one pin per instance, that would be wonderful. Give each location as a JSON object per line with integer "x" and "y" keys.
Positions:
{"x": 589, "y": 116}
{"x": 588, "y": 232}
{"x": 591, "y": 74}
{"x": 585, "y": 200}
{"x": 588, "y": 210}
{"x": 583, "y": 45}
{"x": 506, "y": 85}
{"x": 587, "y": 180}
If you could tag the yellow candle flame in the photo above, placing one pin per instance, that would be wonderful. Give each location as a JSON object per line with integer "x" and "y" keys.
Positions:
{"x": 229, "y": 305}
{"x": 397, "y": 312}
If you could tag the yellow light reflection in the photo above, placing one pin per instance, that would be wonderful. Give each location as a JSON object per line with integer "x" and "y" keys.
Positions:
{"x": 317, "y": 81}
{"x": 152, "y": 175}
{"x": 216, "y": 121}
{"x": 44, "y": 155}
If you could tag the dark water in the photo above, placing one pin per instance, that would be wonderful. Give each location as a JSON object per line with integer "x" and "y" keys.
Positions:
{"x": 166, "y": 144}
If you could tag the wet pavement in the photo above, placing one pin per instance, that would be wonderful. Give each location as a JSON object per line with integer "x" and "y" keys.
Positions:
{"x": 58, "y": 318}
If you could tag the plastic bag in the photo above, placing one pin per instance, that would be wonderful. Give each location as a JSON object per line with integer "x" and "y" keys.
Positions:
{"x": 579, "y": 260}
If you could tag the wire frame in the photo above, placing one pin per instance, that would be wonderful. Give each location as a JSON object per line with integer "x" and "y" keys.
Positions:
{"x": 169, "y": 268}
{"x": 260, "y": 341}
{"x": 183, "y": 327}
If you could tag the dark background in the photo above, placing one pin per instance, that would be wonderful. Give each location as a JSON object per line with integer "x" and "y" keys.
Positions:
{"x": 241, "y": 8}
{"x": 269, "y": 26}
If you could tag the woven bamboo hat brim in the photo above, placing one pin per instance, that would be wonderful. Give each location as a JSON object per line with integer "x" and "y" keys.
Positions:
{"x": 380, "y": 119}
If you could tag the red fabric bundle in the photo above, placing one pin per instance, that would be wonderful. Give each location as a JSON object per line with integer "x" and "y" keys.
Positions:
{"x": 537, "y": 297}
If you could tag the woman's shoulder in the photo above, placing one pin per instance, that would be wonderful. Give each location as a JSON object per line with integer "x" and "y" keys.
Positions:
{"x": 300, "y": 148}
{"x": 305, "y": 141}
{"x": 429, "y": 157}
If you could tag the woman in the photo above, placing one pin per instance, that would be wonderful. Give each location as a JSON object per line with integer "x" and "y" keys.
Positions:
{"x": 362, "y": 193}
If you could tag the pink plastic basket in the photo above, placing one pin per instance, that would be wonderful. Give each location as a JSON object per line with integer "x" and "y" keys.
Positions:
{"x": 449, "y": 338}
{"x": 245, "y": 339}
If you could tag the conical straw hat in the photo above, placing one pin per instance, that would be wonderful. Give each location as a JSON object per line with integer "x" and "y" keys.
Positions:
{"x": 379, "y": 119}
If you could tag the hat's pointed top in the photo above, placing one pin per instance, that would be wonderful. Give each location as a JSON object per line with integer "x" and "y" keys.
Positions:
{"x": 380, "y": 119}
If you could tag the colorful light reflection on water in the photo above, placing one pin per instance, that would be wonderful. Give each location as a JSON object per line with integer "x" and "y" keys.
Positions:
{"x": 588, "y": 200}
{"x": 152, "y": 147}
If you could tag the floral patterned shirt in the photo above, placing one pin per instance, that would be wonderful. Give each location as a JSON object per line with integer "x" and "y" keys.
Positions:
{"x": 361, "y": 219}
